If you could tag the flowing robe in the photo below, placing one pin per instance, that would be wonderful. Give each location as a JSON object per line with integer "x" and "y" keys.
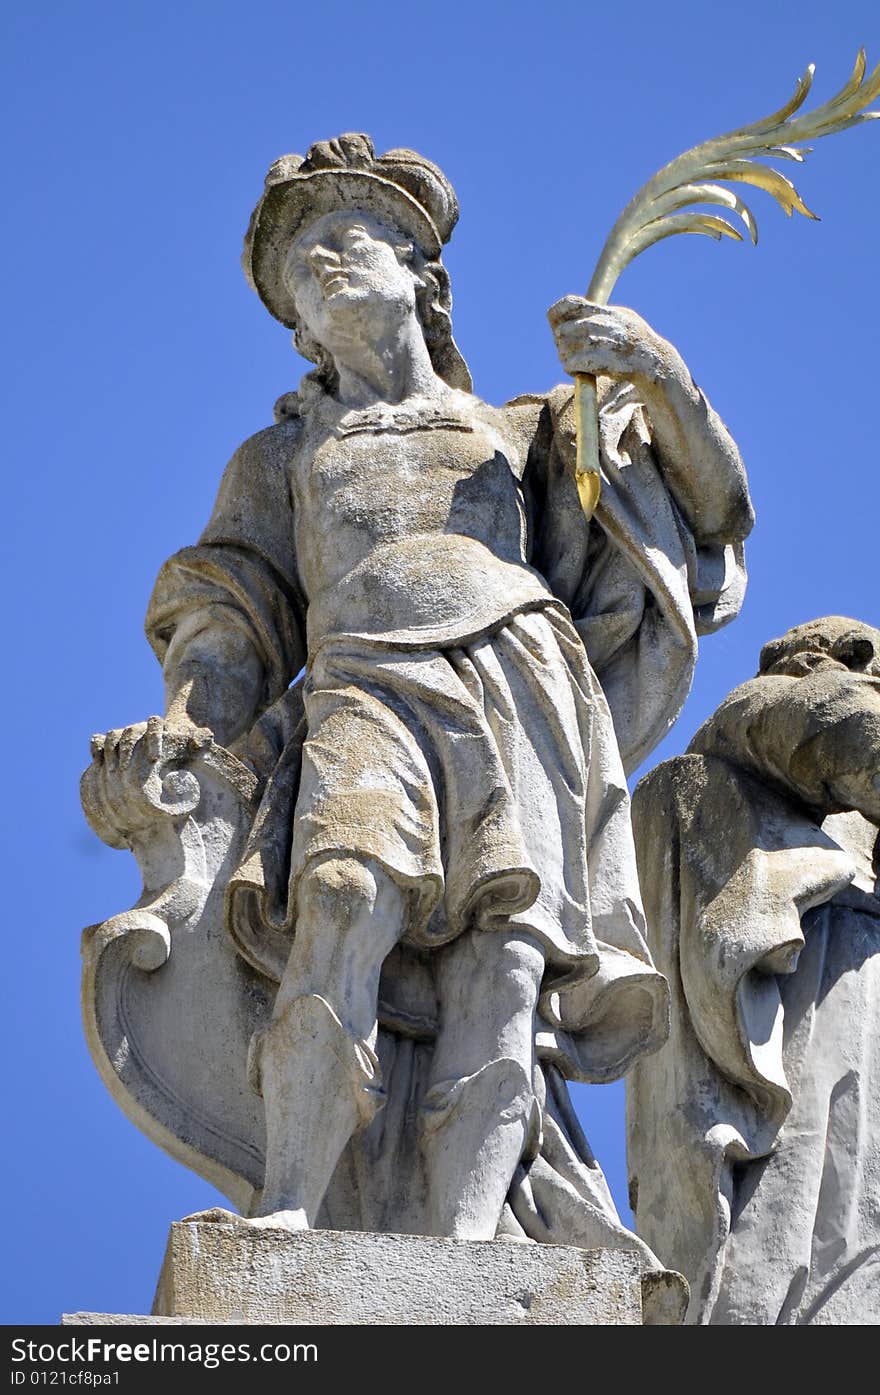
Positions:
{"x": 630, "y": 591}
{"x": 754, "y": 1134}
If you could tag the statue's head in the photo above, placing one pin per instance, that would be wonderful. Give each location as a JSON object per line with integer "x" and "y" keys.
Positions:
{"x": 830, "y": 642}
{"x": 378, "y": 223}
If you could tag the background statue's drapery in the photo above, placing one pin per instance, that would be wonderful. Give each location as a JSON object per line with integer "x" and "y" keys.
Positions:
{"x": 754, "y": 1134}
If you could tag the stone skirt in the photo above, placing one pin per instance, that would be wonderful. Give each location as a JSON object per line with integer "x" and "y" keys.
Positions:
{"x": 464, "y": 773}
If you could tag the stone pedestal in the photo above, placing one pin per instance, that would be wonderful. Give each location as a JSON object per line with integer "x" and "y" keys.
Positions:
{"x": 219, "y": 1273}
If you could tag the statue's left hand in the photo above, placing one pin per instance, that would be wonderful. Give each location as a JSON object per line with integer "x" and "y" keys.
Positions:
{"x": 613, "y": 341}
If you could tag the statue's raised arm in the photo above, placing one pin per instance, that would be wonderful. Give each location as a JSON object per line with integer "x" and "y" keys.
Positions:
{"x": 661, "y": 560}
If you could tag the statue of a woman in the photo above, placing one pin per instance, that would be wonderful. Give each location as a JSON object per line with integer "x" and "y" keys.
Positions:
{"x": 440, "y": 876}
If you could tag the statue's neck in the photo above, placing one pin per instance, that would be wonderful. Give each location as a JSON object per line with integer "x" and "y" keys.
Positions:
{"x": 390, "y": 368}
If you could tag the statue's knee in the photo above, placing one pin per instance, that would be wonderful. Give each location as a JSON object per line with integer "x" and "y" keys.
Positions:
{"x": 514, "y": 967}
{"x": 522, "y": 984}
{"x": 336, "y": 891}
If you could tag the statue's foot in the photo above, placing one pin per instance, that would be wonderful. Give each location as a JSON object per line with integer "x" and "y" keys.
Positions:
{"x": 281, "y": 1220}
{"x": 276, "y": 1220}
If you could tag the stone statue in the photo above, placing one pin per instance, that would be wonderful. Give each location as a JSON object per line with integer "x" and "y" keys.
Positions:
{"x": 391, "y": 902}
{"x": 754, "y": 1134}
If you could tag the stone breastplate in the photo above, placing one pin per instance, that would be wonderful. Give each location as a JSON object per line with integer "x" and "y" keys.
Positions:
{"x": 411, "y": 525}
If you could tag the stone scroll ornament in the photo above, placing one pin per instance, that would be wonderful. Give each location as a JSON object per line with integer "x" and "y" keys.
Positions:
{"x": 666, "y": 206}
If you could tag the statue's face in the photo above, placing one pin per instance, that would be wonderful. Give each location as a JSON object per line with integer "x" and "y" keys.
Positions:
{"x": 350, "y": 279}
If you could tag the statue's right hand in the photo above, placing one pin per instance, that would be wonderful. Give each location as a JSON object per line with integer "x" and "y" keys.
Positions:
{"x": 131, "y": 751}
{"x": 140, "y": 770}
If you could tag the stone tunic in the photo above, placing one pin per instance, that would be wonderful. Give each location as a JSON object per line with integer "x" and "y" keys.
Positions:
{"x": 561, "y": 646}
{"x": 377, "y": 540}
{"x": 450, "y": 722}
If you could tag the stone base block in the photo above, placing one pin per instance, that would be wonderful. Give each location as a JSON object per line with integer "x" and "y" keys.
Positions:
{"x": 229, "y": 1273}
{"x": 222, "y": 1273}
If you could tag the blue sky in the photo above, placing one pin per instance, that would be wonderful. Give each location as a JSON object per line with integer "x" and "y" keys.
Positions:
{"x": 136, "y": 138}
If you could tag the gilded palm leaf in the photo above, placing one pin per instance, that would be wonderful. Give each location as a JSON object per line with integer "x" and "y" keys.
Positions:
{"x": 658, "y": 209}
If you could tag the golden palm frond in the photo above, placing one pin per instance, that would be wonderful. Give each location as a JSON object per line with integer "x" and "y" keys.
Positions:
{"x": 658, "y": 210}
{"x": 691, "y": 179}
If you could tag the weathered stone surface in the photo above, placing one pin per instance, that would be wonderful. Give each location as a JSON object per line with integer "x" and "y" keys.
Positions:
{"x": 390, "y": 908}
{"x": 754, "y": 1134}
{"x": 220, "y": 1273}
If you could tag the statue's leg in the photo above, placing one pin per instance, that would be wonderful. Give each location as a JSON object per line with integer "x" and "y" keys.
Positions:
{"x": 315, "y": 1064}
{"x": 480, "y": 1113}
